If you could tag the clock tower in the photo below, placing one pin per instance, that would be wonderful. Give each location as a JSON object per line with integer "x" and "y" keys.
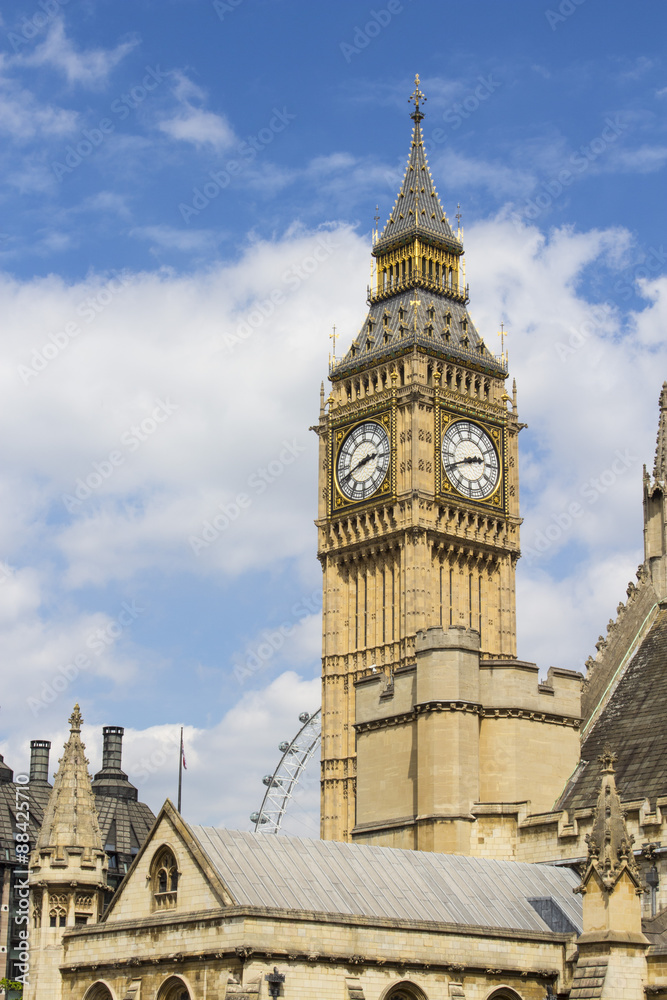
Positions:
{"x": 418, "y": 515}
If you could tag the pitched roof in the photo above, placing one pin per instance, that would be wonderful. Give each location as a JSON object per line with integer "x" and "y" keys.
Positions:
{"x": 633, "y": 724}
{"x": 264, "y": 870}
{"x": 443, "y": 326}
{"x": 417, "y": 210}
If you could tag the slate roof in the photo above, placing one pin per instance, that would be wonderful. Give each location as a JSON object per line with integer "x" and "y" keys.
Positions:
{"x": 443, "y": 326}
{"x": 38, "y": 796}
{"x": 124, "y": 824}
{"x": 417, "y": 210}
{"x": 633, "y": 724}
{"x": 262, "y": 870}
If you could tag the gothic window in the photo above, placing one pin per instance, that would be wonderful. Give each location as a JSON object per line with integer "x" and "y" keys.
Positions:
{"x": 164, "y": 878}
{"x": 57, "y": 917}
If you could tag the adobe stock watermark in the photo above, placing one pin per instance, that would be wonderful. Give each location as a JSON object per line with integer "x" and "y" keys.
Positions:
{"x": 31, "y": 27}
{"x": 576, "y": 165}
{"x": 257, "y": 483}
{"x": 92, "y": 138}
{"x": 462, "y": 110}
{"x": 248, "y": 150}
{"x": 291, "y": 279}
{"x": 155, "y": 761}
{"x": 88, "y": 310}
{"x": 131, "y": 440}
{"x": 565, "y": 9}
{"x": 591, "y": 491}
{"x": 364, "y": 34}
{"x": 595, "y": 320}
{"x": 97, "y": 642}
{"x": 257, "y": 656}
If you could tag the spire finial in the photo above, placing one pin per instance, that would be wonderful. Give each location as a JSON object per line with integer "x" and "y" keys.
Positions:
{"x": 75, "y": 720}
{"x": 415, "y": 98}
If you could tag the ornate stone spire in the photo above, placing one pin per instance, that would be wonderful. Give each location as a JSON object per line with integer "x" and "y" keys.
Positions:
{"x": 660, "y": 464}
{"x": 70, "y": 819}
{"x": 609, "y": 843}
{"x": 417, "y": 210}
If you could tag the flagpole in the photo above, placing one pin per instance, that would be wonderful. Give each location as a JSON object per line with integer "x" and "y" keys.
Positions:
{"x": 180, "y": 772}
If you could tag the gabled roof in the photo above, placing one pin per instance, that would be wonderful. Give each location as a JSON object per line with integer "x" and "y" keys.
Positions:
{"x": 323, "y": 876}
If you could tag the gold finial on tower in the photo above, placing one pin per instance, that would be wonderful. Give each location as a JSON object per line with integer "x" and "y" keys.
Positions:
{"x": 458, "y": 220}
{"x": 376, "y": 229}
{"x": 416, "y": 98}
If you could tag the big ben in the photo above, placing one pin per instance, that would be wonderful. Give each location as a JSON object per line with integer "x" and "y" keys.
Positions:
{"x": 418, "y": 519}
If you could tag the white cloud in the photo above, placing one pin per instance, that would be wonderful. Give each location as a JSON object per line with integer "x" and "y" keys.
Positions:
{"x": 642, "y": 160}
{"x": 194, "y": 124}
{"x": 89, "y": 68}
{"x": 23, "y": 118}
{"x": 186, "y": 240}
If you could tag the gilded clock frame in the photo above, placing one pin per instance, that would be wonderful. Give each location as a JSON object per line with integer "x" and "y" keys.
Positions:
{"x": 444, "y": 490}
{"x": 338, "y": 503}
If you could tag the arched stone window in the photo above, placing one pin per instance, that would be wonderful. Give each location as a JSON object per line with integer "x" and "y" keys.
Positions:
{"x": 504, "y": 993}
{"x": 404, "y": 991}
{"x": 164, "y": 878}
{"x": 98, "y": 991}
{"x": 174, "y": 989}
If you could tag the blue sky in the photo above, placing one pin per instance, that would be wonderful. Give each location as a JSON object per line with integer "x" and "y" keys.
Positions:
{"x": 187, "y": 192}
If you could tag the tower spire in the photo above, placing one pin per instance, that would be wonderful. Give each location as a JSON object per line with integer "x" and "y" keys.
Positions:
{"x": 68, "y": 868}
{"x": 70, "y": 817}
{"x": 660, "y": 464}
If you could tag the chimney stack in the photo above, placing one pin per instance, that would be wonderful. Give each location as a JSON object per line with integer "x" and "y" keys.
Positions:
{"x": 39, "y": 762}
{"x": 112, "y": 749}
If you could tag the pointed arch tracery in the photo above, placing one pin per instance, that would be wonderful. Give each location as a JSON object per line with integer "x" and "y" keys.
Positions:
{"x": 164, "y": 877}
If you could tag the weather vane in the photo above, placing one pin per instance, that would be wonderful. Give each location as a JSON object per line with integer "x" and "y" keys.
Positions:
{"x": 502, "y": 335}
{"x": 415, "y": 98}
{"x": 334, "y": 336}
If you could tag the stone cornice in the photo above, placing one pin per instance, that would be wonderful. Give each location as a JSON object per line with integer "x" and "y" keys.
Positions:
{"x": 427, "y": 707}
{"x": 203, "y": 917}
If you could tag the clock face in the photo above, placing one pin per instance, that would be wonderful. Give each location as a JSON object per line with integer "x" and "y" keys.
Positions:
{"x": 363, "y": 461}
{"x": 470, "y": 460}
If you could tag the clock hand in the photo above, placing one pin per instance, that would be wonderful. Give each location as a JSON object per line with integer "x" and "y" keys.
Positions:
{"x": 359, "y": 464}
{"x": 472, "y": 460}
